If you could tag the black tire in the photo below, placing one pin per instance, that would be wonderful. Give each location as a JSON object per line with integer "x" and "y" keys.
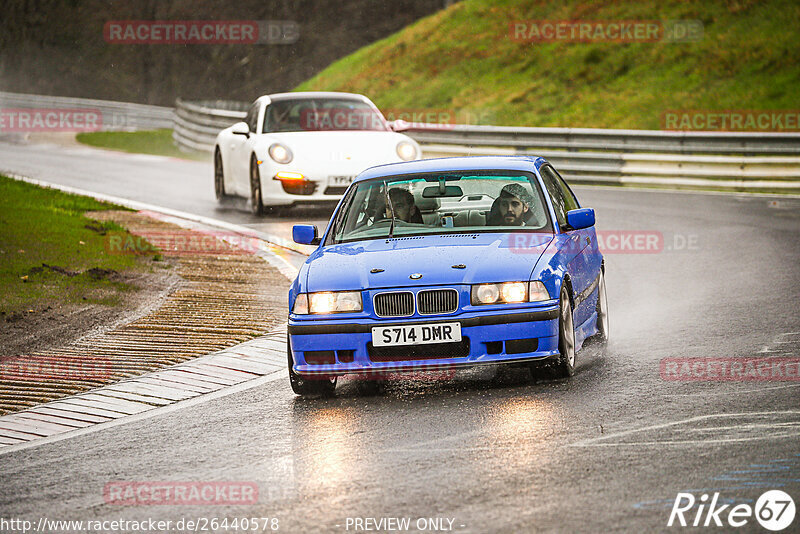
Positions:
{"x": 316, "y": 387}
{"x": 369, "y": 387}
{"x": 219, "y": 176}
{"x": 602, "y": 312}
{"x": 564, "y": 365}
{"x": 256, "y": 202}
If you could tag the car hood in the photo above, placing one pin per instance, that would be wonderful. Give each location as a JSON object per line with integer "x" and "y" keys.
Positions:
{"x": 339, "y": 146}
{"x": 488, "y": 257}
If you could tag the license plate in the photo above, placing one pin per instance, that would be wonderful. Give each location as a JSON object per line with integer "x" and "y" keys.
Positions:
{"x": 416, "y": 334}
{"x": 340, "y": 181}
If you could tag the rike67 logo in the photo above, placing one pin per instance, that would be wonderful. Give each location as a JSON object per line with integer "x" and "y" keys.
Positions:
{"x": 774, "y": 510}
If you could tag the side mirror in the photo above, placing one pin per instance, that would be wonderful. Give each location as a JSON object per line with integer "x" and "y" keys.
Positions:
{"x": 241, "y": 128}
{"x": 305, "y": 234}
{"x": 581, "y": 218}
{"x": 399, "y": 125}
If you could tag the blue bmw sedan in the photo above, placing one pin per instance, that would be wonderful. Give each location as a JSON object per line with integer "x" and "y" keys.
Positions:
{"x": 446, "y": 263}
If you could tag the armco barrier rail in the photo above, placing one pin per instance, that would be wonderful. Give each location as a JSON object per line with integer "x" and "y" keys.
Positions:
{"x": 124, "y": 116}
{"x": 726, "y": 160}
{"x": 198, "y": 123}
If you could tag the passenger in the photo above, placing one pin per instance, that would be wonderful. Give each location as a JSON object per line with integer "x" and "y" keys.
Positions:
{"x": 511, "y": 208}
{"x": 404, "y": 207}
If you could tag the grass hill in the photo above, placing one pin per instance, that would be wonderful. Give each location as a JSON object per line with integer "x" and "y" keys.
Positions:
{"x": 464, "y": 59}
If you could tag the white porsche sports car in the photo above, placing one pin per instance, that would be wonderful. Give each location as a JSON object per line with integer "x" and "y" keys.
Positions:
{"x": 304, "y": 147}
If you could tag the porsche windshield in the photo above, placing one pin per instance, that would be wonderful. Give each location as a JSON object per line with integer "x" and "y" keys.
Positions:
{"x": 321, "y": 114}
{"x": 498, "y": 201}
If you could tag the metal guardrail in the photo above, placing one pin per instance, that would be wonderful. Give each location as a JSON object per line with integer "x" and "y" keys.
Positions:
{"x": 125, "y": 116}
{"x": 747, "y": 161}
{"x": 197, "y": 123}
{"x": 524, "y": 139}
{"x": 752, "y": 160}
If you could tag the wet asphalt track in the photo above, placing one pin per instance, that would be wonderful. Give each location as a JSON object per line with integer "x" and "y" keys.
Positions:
{"x": 607, "y": 450}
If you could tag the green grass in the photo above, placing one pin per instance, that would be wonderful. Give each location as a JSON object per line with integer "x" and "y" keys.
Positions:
{"x": 43, "y": 232}
{"x": 156, "y": 142}
{"x": 462, "y": 59}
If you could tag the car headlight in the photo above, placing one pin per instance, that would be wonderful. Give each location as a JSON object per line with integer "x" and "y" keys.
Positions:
{"x": 280, "y": 153}
{"x": 509, "y": 293}
{"x": 406, "y": 151}
{"x": 327, "y": 302}
{"x": 537, "y": 292}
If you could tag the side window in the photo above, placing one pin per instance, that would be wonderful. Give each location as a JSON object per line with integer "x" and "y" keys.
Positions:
{"x": 570, "y": 202}
{"x": 252, "y": 117}
{"x": 550, "y": 179}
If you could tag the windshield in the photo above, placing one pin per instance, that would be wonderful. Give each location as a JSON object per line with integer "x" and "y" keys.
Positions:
{"x": 321, "y": 114}
{"x": 455, "y": 202}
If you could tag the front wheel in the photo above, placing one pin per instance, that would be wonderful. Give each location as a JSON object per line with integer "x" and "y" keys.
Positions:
{"x": 315, "y": 387}
{"x": 564, "y": 366}
{"x": 219, "y": 176}
{"x": 256, "y": 202}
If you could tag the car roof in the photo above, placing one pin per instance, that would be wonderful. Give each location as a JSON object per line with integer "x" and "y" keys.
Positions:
{"x": 313, "y": 94}
{"x": 470, "y": 163}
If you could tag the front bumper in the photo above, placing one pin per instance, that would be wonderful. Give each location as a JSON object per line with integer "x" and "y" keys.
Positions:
{"x": 336, "y": 347}
{"x": 318, "y": 185}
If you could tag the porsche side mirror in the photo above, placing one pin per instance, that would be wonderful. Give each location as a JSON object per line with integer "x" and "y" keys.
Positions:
{"x": 241, "y": 128}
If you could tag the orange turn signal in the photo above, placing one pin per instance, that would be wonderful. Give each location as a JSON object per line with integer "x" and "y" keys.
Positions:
{"x": 284, "y": 175}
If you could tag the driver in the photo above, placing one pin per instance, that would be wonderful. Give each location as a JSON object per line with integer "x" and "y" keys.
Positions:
{"x": 404, "y": 207}
{"x": 512, "y": 206}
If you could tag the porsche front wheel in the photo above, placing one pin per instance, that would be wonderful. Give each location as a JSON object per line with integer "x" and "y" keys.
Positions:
{"x": 219, "y": 176}
{"x": 256, "y": 202}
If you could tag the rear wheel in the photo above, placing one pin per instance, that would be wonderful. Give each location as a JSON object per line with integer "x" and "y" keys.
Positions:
{"x": 219, "y": 176}
{"x": 602, "y": 311}
{"x": 305, "y": 387}
{"x": 256, "y": 202}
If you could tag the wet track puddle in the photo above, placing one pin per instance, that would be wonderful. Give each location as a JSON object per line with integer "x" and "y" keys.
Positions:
{"x": 707, "y": 429}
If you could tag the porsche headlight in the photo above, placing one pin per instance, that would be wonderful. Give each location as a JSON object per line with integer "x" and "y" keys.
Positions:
{"x": 328, "y": 302}
{"x": 280, "y": 153}
{"x": 509, "y": 293}
{"x": 406, "y": 151}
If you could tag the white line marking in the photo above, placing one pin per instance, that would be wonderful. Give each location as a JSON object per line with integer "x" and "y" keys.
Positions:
{"x": 728, "y": 392}
{"x": 592, "y": 442}
{"x": 260, "y": 381}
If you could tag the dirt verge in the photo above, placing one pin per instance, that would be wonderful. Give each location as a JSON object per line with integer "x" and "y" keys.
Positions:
{"x": 216, "y": 296}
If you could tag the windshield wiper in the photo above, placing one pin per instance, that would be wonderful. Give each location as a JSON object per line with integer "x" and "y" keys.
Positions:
{"x": 389, "y": 202}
